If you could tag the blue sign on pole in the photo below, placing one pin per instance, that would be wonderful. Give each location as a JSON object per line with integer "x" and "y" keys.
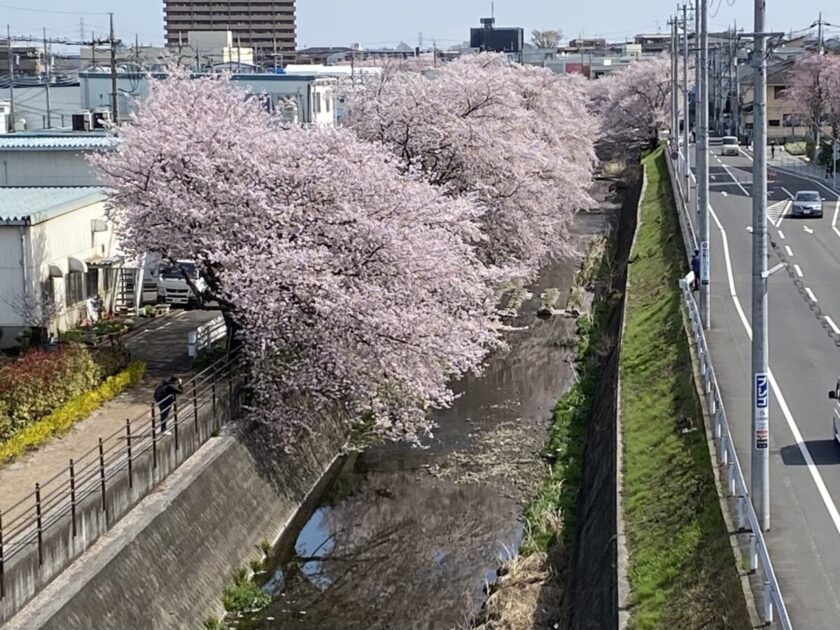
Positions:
{"x": 762, "y": 391}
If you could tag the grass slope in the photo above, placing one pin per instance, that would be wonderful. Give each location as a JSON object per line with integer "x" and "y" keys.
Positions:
{"x": 681, "y": 568}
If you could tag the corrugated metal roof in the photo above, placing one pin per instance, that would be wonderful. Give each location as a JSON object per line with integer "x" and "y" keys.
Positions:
{"x": 13, "y": 142}
{"x": 20, "y": 206}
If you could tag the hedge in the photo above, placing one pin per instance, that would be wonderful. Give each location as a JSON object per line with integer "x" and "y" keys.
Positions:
{"x": 41, "y": 381}
{"x": 60, "y": 420}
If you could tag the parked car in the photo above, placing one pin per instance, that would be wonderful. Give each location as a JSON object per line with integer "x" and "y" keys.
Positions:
{"x": 174, "y": 289}
{"x": 807, "y": 203}
{"x": 729, "y": 146}
{"x": 834, "y": 394}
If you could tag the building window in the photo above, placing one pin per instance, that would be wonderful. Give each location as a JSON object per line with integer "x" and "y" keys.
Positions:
{"x": 327, "y": 102}
{"x": 774, "y": 123}
{"x": 779, "y": 91}
{"x": 74, "y": 287}
{"x": 92, "y": 283}
{"x": 317, "y": 102}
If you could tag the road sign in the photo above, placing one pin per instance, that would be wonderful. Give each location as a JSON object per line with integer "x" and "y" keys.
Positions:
{"x": 705, "y": 263}
{"x": 761, "y": 411}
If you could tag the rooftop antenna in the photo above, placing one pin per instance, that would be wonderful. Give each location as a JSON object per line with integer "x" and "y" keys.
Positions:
{"x": 492, "y": 9}
{"x": 82, "y": 29}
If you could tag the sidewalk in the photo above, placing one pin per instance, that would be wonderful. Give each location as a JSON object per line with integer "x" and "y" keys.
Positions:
{"x": 800, "y": 166}
{"x": 163, "y": 346}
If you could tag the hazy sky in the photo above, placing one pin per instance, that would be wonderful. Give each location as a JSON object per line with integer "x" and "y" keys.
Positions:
{"x": 386, "y": 22}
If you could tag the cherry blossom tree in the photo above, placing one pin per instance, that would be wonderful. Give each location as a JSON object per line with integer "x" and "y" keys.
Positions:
{"x": 633, "y": 104}
{"x": 814, "y": 90}
{"x": 519, "y": 140}
{"x": 355, "y": 284}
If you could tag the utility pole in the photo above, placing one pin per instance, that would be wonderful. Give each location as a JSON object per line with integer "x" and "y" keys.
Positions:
{"x": 11, "y": 76}
{"x": 737, "y": 87}
{"x": 114, "y": 94}
{"x": 703, "y": 167}
{"x": 760, "y": 468}
{"x": 49, "y": 76}
{"x": 687, "y": 161}
{"x": 675, "y": 115}
{"x": 696, "y": 75}
{"x": 818, "y": 133}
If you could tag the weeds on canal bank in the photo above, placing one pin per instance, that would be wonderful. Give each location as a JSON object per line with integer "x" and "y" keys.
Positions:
{"x": 681, "y": 568}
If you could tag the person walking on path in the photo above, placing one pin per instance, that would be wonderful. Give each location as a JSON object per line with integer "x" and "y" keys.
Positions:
{"x": 165, "y": 394}
{"x": 695, "y": 267}
{"x": 772, "y": 150}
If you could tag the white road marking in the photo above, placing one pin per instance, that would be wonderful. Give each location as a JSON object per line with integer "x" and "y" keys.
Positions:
{"x": 791, "y": 422}
{"x": 811, "y": 294}
{"x": 735, "y": 179}
{"x": 781, "y": 235}
{"x": 831, "y": 323}
{"x": 834, "y": 220}
{"x": 724, "y": 193}
{"x": 807, "y": 230}
{"x": 798, "y": 271}
{"x": 180, "y": 314}
{"x": 786, "y": 191}
{"x": 788, "y": 250}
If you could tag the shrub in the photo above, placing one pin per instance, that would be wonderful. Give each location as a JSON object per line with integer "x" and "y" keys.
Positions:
{"x": 39, "y": 382}
{"x": 111, "y": 359}
{"x": 209, "y": 355}
{"x": 69, "y": 413}
{"x": 242, "y": 595}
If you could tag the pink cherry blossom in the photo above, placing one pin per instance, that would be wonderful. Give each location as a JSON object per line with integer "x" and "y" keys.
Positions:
{"x": 517, "y": 139}
{"x": 355, "y": 284}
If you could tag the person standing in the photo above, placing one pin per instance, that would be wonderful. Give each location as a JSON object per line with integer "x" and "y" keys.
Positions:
{"x": 695, "y": 268}
{"x": 165, "y": 394}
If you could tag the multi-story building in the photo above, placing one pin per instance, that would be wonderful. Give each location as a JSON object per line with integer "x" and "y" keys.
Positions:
{"x": 264, "y": 25}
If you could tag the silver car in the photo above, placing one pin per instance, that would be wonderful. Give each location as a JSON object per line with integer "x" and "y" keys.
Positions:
{"x": 729, "y": 146}
{"x": 807, "y": 203}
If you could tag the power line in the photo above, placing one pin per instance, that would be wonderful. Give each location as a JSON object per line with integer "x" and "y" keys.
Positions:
{"x": 53, "y": 11}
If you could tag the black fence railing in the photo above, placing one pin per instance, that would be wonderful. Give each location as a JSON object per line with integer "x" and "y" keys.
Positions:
{"x": 65, "y": 514}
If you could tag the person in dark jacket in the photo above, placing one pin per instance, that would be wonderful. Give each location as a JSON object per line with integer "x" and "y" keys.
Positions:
{"x": 165, "y": 394}
{"x": 695, "y": 267}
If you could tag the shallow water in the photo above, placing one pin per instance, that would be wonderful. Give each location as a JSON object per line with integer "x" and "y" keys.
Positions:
{"x": 407, "y": 538}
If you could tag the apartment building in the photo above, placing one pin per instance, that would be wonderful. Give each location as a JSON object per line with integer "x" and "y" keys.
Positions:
{"x": 264, "y": 25}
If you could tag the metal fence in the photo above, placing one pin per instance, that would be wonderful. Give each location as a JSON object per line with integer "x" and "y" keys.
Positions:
{"x": 758, "y": 560}
{"x": 64, "y": 515}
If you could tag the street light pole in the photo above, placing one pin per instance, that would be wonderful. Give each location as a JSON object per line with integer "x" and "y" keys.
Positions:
{"x": 687, "y": 161}
{"x": 760, "y": 468}
{"x": 675, "y": 115}
{"x": 703, "y": 167}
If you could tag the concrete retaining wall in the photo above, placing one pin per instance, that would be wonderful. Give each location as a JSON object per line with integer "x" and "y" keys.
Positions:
{"x": 65, "y": 535}
{"x": 165, "y": 564}
{"x": 593, "y": 583}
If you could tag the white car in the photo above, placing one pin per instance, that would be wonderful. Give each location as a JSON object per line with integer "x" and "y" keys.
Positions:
{"x": 834, "y": 394}
{"x": 807, "y": 203}
{"x": 729, "y": 146}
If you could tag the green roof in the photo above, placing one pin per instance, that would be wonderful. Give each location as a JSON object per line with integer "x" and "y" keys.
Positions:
{"x": 27, "y": 206}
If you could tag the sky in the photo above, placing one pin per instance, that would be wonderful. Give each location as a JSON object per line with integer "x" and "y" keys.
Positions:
{"x": 376, "y": 23}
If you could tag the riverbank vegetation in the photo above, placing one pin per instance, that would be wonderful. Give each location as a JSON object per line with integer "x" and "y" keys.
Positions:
{"x": 681, "y": 568}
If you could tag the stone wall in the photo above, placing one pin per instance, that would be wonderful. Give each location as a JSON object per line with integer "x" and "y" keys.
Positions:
{"x": 593, "y": 584}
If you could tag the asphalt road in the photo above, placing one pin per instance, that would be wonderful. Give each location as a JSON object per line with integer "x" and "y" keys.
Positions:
{"x": 804, "y": 312}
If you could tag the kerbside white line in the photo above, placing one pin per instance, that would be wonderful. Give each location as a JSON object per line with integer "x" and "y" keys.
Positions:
{"x": 831, "y": 323}
{"x": 788, "y": 250}
{"x": 794, "y": 429}
{"x": 798, "y": 271}
{"x": 811, "y": 294}
{"x": 781, "y": 235}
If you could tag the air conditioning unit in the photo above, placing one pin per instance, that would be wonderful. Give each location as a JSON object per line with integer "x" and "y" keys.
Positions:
{"x": 101, "y": 119}
{"x": 83, "y": 121}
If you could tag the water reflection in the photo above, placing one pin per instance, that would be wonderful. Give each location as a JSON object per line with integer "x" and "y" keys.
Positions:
{"x": 408, "y": 538}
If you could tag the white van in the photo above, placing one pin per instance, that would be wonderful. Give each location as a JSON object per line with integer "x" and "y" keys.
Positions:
{"x": 730, "y": 145}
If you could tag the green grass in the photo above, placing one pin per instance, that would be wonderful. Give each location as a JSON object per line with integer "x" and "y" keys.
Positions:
{"x": 79, "y": 408}
{"x": 681, "y": 568}
{"x": 552, "y": 513}
{"x": 795, "y": 148}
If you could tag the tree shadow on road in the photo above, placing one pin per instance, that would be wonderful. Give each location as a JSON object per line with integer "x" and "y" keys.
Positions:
{"x": 823, "y": 452}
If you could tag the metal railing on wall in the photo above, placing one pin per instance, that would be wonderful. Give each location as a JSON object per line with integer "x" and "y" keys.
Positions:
{"x": 116, "y": 473}
{"x": 772, "y": 607}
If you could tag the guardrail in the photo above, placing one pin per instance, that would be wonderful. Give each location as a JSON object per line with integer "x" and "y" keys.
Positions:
{"x": 64, "y": 515}
{"x": 746, "y": 521}
{"x": 203, "y": 336}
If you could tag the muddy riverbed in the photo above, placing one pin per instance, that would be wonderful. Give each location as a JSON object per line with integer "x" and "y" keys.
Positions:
{"x": 408, "y": 538}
